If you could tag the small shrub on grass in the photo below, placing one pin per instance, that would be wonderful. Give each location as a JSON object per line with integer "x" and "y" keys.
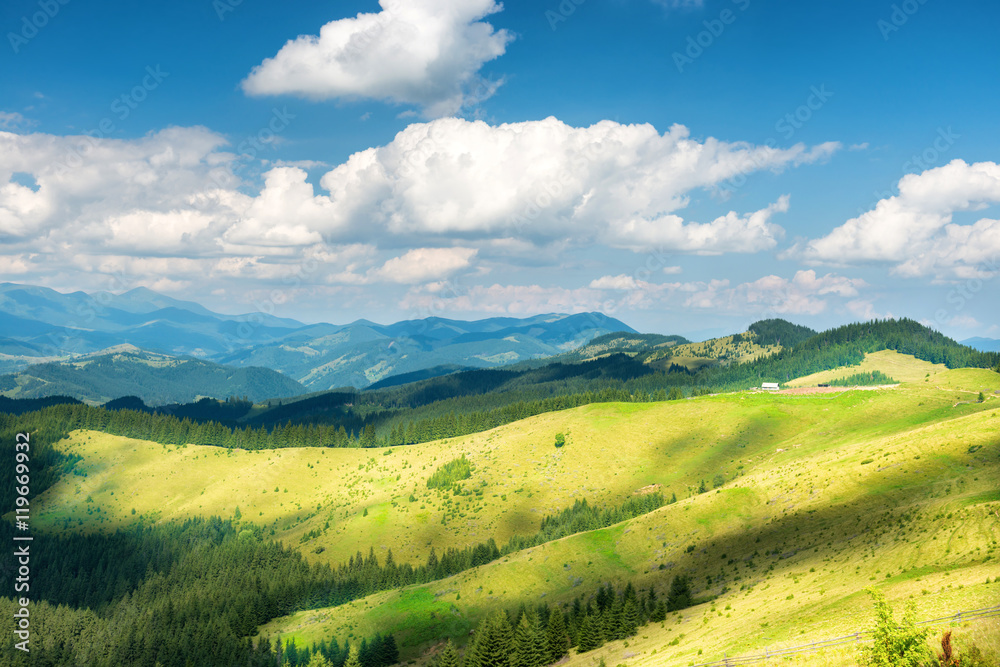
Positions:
{"x": 893, "y": 645}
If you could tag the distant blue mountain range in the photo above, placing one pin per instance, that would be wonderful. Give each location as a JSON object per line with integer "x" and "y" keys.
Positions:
{"x": 38, "y": 324}
{"x": 983, "y": 344}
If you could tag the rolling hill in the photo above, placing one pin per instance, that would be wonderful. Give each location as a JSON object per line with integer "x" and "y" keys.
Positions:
{"x": 815, "y": 498}
{"x": 155, "y": 378}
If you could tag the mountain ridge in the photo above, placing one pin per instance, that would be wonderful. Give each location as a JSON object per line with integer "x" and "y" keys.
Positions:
{"x": 42, "y": 325}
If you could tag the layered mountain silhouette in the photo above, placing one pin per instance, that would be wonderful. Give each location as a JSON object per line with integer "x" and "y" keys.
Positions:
{"x": 42, "y": 325}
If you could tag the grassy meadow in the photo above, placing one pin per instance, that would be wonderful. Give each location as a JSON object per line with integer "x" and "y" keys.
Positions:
{"x": 819, "y": 496}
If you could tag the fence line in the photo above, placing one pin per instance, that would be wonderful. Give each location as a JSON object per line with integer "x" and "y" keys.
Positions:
{"x": 988, "y": 612}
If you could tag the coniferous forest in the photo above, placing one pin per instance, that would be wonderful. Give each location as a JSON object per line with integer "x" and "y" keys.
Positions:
{"x": 195, "y": 593}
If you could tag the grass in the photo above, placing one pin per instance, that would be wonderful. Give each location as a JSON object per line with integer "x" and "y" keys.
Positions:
{"x": 900, "y": 367}
{"x": 822, "y": 525}
{"x": 822, "y": 548}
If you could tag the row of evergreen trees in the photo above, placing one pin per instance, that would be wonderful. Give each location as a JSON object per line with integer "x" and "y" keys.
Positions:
{"x": 380, "y": 651}
{"x": 475, "y": 401}
{"x": 364, "y": 575}
{"x": 542, "y": 636}
{"x": 871, "y": 378}
{"x": 173, "y": 595}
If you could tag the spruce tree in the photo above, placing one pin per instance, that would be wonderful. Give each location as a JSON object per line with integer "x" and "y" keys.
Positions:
{"x": 630, "y": 618}
{"x": 318, "y": 660}
{"x": 679, "y": 596}
{"x": 448, "y": 657}
{"x": 353, "y": 660}
{"x": 493, "y": 648}
{"x": 390, "y": 652}
{"x": 613, "y": 628}
{"x": 590, "y": 635}
{"x": 526, "y": 651}
{"x": 608, "y": 626}
{"x": 558, "y": 641}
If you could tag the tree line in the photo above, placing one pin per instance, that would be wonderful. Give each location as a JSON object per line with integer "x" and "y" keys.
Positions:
{"x": 534, "y": 637}
{"x": 182, "y": 594}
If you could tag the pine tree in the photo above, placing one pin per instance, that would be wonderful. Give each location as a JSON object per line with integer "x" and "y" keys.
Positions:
{"x": 448, "y": 657}
{"x": 318, "y": 660}
{"x": 630, "y": 618}
{"x": 353, "y": 660}
{"x": 590, "y": 635}
{"x": 558, "y": 641}
{"x": 529, "y": 648}
{"x": 679, "y": 596}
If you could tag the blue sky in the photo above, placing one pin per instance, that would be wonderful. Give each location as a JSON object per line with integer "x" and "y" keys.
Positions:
{"x": 688, "y": 167}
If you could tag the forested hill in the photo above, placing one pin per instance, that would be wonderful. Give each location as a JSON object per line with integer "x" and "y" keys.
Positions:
{"x": 779, "y": 332}
{"x": 157, "y": 379}
{"x": 477, "y": 400}
{"x": 904, "y": 336}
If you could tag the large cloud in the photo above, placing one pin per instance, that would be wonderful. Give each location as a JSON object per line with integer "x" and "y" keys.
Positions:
{"x": 544, "y": 180}
{"x": 85, "y": 188}
{"x": 442, "y": 198}
{"x": 914, "y": 230}
{"x": 423, "y": 52}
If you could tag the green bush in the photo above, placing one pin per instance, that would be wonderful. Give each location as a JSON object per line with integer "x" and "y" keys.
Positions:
{"x": 560, "y": 439}
{"x": 450, "y": 473}
{"x": 863, "y": 380}
{"x": 893, "y": 645}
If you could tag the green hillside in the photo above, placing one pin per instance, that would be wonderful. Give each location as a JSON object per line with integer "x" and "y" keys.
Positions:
{"x": 784, "y": 547}
{"x": 155, "y": 378}
{"x": 917, "y": 454}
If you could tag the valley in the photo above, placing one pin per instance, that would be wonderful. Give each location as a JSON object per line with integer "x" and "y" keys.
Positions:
{"x": 809, "y": 499}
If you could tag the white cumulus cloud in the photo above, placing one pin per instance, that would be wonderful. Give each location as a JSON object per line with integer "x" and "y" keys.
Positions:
{"x": 422, "y": 52}
{"x": 544, "y": 180}
{"x": 424, "y": 264}
{"x": 914, "y": 230}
